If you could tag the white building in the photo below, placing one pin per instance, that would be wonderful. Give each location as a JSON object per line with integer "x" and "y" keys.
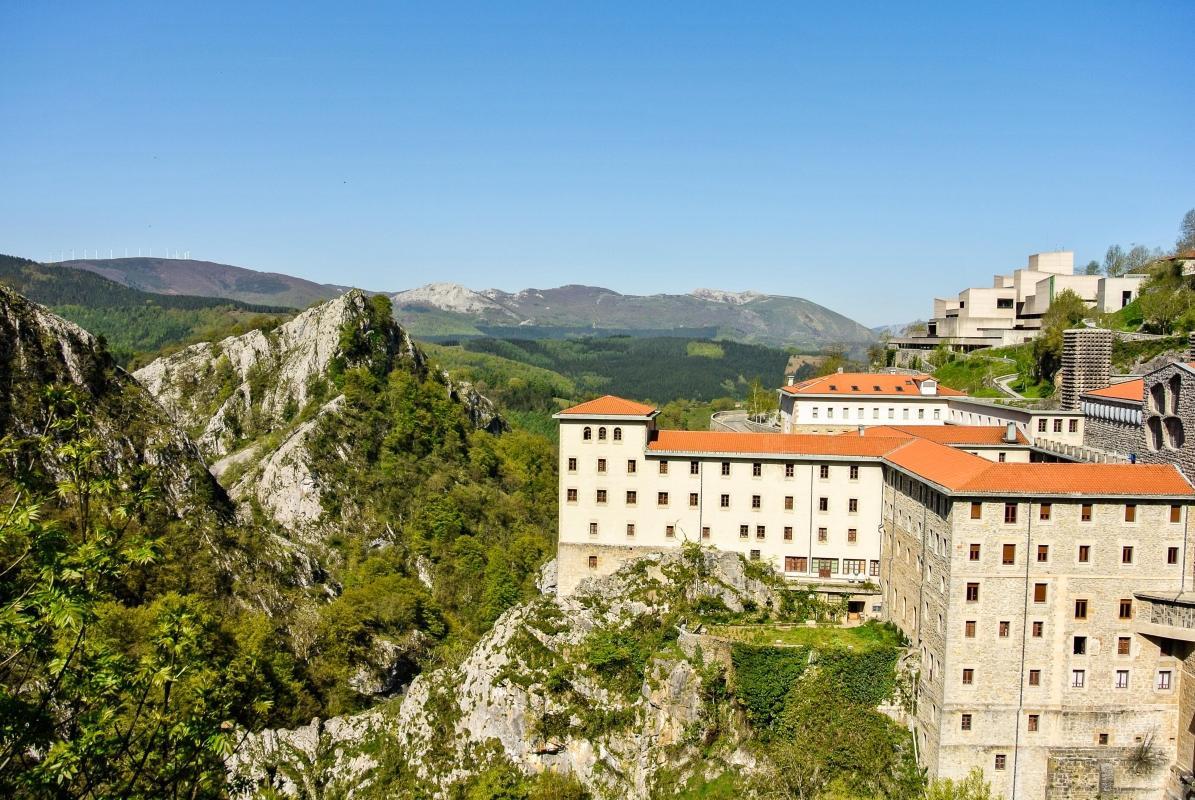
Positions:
{"x": 846, "y": 400}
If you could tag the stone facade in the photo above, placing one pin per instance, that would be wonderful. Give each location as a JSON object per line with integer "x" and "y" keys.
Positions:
{"x": 1169, "y": 408}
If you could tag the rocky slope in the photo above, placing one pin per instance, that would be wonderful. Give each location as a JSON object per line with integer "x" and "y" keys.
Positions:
{"x": 529, "y": 694}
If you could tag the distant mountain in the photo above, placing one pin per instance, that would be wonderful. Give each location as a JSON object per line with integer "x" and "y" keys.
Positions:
{"x": 446, "y": 309}
{"x": 208, "y": 279}
{"x": 895, "y": 329}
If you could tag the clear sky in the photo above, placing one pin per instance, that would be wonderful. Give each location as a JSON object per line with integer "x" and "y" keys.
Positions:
{"x": 864, "y": 156}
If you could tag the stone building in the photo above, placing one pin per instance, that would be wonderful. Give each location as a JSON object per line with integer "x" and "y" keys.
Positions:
{"x": 1086, "y": 363}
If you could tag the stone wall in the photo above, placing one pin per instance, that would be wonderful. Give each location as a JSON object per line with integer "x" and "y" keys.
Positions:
{"x": 1083, "y": 773}
{"x": 1168, "y": 411}
{"x": 573, "y": 562}
{"x": 1116, "y": 437}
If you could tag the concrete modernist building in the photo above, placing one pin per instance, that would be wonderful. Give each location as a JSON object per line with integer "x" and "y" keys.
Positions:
{"x": 1049, "y": 603}
{"x": 1010, "y": 310}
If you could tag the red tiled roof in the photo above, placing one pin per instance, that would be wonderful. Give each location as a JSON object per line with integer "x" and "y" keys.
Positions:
{"x": 860, "y": 384}
{"x": 1084, "y": 479}
{"x": 945, "y": 434}
{"x": 610, "y": 406}
{"x": 772, "y": 443}
{"x": 1128, "y": 390}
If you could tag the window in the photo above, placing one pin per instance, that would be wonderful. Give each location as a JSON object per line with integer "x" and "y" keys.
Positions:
{"x": 1084, "y": 553}
{"x": 1130, "y": 512}
{"x": 755, "y": 501}
{"x": 1038, "y": 627}
{"x": 662, "y": 498}
{"x": 1126, "y": 608}
{"x": 1123, "y": 645}
{"x": 1171, "y": 555}
{"x": 1085, "y": 513}
{"x": 969, "y": 629}
{"x": 790, "y": 470}
{"x": 1041, "y": 426}
{"x": 1039, "y": 592}
{"x": 744, "y": 531}
{"x": 724, "y": 502}
{"x": 921, "y": 413}
{"x": 1043, "y": 553}
{"x": 891, "y": 412}
{"x": 631, "y": 466}
{"x": 759, "y": 531}
{"x": 593, "y": 529}
{"x": 790, "y": 564}
{"x": 1126, "y": 554}
{"x": 972, "y": 592}
{"x": 1035, "y": 677}
{"x": 694, "y": 467}
{"x": 1001, "y": 760}
{"x": 618, "y": 434}
{"x": 823, "y": 471}
{"x": 823, "y": 504}
{"x": 669, "y": 531}
{"x": 1122, "y": 679}
{"x": 572, "y": 495}
{"x": 977, "y": 511}
{"x": 822, "y": 534}
{"x": 756, "y": 469}
{"x": 632, "y": 497}
{"x": 754, "y": 555}
{"x": 1010, "y": 513}
{"x": 587, "y": 434}
{"x": 1079, "y": 646}
{"x": 592, "y": 559}
{"x": 1072, "y": 426}
{"x": 1080, "y": 609}
{"x": 973, "y": 552}
{"x": 1078, "y": 678}
{"x": 788, "y": 502}
{"x": 1005, "y": 628}
{"x": 601, "y": 466}
{"x": 1057, "y": 426}
{"x": 1002, "y": 457}
{"x": 788, "y": 533}
{"x": 1008, "y": 554}
{"x": 874, "y": 568}
{"x": 692, "y": 499}
{"x": 630, "y": 529}
{"x": 854, "y": 472}
{"x": 1101, "y": 738}
{"x": 852, "y": 535}
{"x": 852, "y": 505}
{"x": 1176, "y": 513}
{"x": 1044, "y": 512}
{"x": 725, "y": 467}
{"x": 937, "y": 413}
{"x": 1032, "y": 725}
{"x": 705, "y": 533}
{"x": 1163, "y": 679}
{"x": 854, "y": 566}
{"x": 601, "y": 496}
{"x": 664, "y": 467}
{"x": 572, "y": 465}
{"x": 601, "y": 434}
{"x": 965, "y": 722}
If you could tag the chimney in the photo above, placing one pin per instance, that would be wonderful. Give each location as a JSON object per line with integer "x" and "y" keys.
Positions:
{"x": 840, "y": 370}
{"x": 1010, "y": 433}
{"x": 1086, "y": 364}
{"x": 861, "y": 429}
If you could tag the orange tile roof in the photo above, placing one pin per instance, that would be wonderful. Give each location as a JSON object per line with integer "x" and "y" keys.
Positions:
{"x": 610, "y": 406}
{"x": 1128, "y": 390}
{"x": 1083, "y": 479}
{"x": 811, "y": 444}
{"x": 939, "y": 463}
{"x": 946, "y": 434}
{"x": 859, "y": 384}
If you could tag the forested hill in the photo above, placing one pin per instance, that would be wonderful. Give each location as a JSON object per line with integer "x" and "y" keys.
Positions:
{"x": 131, "y": 321}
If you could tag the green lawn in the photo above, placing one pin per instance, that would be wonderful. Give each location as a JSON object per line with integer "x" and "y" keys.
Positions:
{"x": 863, "y": 637}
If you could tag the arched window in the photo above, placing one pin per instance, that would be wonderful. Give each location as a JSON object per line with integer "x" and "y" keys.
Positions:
{"x": 602, "y": 434}
{"x": 1153, "y": 433}
{"x": 1157, "y": 398}
{"x": 618, "y": 434}
{"x": 1174, "y": 433}
{"x": 1176, "y": 385}
{"x": 587, "y": 434}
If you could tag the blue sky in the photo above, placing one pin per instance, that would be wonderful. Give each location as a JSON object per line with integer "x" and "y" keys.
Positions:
{"x": 866, "y": 156}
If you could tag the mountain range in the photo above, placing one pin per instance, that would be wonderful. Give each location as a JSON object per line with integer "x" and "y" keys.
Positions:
{"x": 449, "y": 310}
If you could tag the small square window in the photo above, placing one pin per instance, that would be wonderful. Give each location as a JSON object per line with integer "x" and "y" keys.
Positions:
{"x": 754, "y": 555}
{"x": 1032, "y": 723}
{"x": 694, "y": 467}
{"x": 965, "y": 722}
{"x": 1176, "y": 513}
{"x": 976, "y": 510}
{"x": 1130, "y": 512}
{"x": 1044, "y": 511}
{"x": 744, "y": 531}
{"x": 788, "y": 502}
{"x": 705, "y": 533}
{"x": 662, "y": 498}
{"x": 1084, "y": 553}
{"x": 1123, "y": 645}
{"x": 1039, "y": 592}
{"x": 1171, "y": 555}
{"x": 788, "y": 533}
{"x": 601, "y": 496}
{"x": 757, "y": 469}
{"x": 1001, "y": 761}
{"x": 972, "y": 592}
{"x": 968, "y": 676}
{"x": 1080, "y": 609}
{"x": 1101, "y": 738}
{"x": 973, "y": 552}
{"x": 1035, "y": 677}
{"x": 1126, "y": 608}
{"x": 663, "y": 467}
{"x": 692, "y": 499}
{"x": 670, "y": 531}
{"x": 572, "y": 465}
{"x": 1043, "y": 553}
{"x": 1085, "y": 512}
{"x": 969, "y": 629}
{"x": 593, "y": 562}
{"x": 572, "y": 495}
{"x": 631, "y": 466}
{"x": 725, "y": 467}
{"x": 1163, "y": 682}
{"x": 1005, "y": 628}
{"x": 1038, "y": 628}
{"x": 1008, "y": 554}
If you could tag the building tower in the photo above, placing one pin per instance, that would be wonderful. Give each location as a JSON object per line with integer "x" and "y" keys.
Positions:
{"x": 1086, "y": 363}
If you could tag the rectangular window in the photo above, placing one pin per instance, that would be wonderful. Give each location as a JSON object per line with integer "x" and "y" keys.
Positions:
{"x": 1002, "y": 457}
{"x": 632, "y": 497}
{"x": 1032, "y": 726}
{"x": 1001, "y": 760}
{"x": 1080, "y": 609}
{"x": 1039, "y": 592}
{"x": 1035, "y": 677}
{"x": 1044, "y": 512}
{"x": 664, "y": 467}
{"x": 790, "y": 564}
{"x": 1043, "y": 553}
{"x": 593, "y": 529}
{"x": 593, "y": 562}
{"x": 969, "y": 629}
{"x": 1038, "y": 627}
{"x": 756, "y": 469}
{"x": 965, "y": 723}
{"x": 631, "y": 466}
{"x": 788, "y": 533}
{"x": 759, "y": 531}
{"x": 572, "y": 495}
{"x": 854, "y": 566}
{"x": 823, "y": 504}
{"x": 1010, "y": 513}
{"x": 968, "y": 676}
{"x": 1085, "y": 513}
{"x": 1057, "y": 426}
{"x": 1122, "y": 679}
{"x": 1163, "y": 679}
{"x": 1171, "y": 555}
{"x": 1176, "y": 513}
{"x": 790, "y": 470}
{"x": 852, "y": 535}
{"x": 1004, "y": 629}
{"x": 601, "y": 496}
{"x": 976, "y": 510}
{"x": 630, "y": 529}
{"x": 754, "y": 555}
{"x": 874, "y": 568}
{"x": 1079, "y": 646}
{"x": 601, "y": 465}
{"x": 725, "y": 501}
{"x": 1126, "y": 608}
{"x": 921, "y": 413}
{"x": 823, "y": 534}
{"x": 692, "y": 499}
{"x": 669, "y": 531}
{"x": 755, "y": 501}
{"x": 725, "y": 467}
{"x": 852, "y": 505}
{"x": 1073, "y": 426}
{"x": 1130, "y": 512}
{"x": 1078, "y": 678}
{"x": 1084, "y": 553}
{"x": 788, "y": 502}
{"x": 662, "y": 498}
{"x": 694, "y": 467}
{"x": 972, "y": 592}
{"x": 973, "y": 552}
{"x": 1041, "y": 426}
{"x": 744, "y": 531}
{"x": 705, "y": 533}
{"x": 572, "y": 465}
{"x": 854, "y": 472}
{"x": 1008, "y": 554}
{"x": 1123, "y": 644}
{"x": 823, "y": 471}
{"x": 1126, "y": 554}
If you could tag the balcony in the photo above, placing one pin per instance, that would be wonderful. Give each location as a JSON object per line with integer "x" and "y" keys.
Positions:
{"x": 1170, "y": 616}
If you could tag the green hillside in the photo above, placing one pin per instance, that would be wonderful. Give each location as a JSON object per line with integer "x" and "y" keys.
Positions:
{"x": 136, "y": 325}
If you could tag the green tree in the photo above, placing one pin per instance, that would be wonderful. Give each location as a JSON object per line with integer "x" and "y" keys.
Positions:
{"x": 761, "y": 401}
{"x": 1066, "y": 311}
{"x": 1186, "y": 232}
{"x": 1114, "y": 261}
{"x": 1092, "y": 268}
{"x": 972, "y": 787}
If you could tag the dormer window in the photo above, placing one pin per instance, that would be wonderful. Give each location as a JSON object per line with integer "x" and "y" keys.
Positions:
{"x": 877, "y": 388}
{"x": 900, "y": 388}
{"x": 833, "y": 388}
{"x": 854, "y": 388}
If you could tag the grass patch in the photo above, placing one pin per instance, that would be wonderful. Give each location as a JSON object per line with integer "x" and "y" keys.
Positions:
{"x": 705, "y": 350}
{"x": 863, "y": 637}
